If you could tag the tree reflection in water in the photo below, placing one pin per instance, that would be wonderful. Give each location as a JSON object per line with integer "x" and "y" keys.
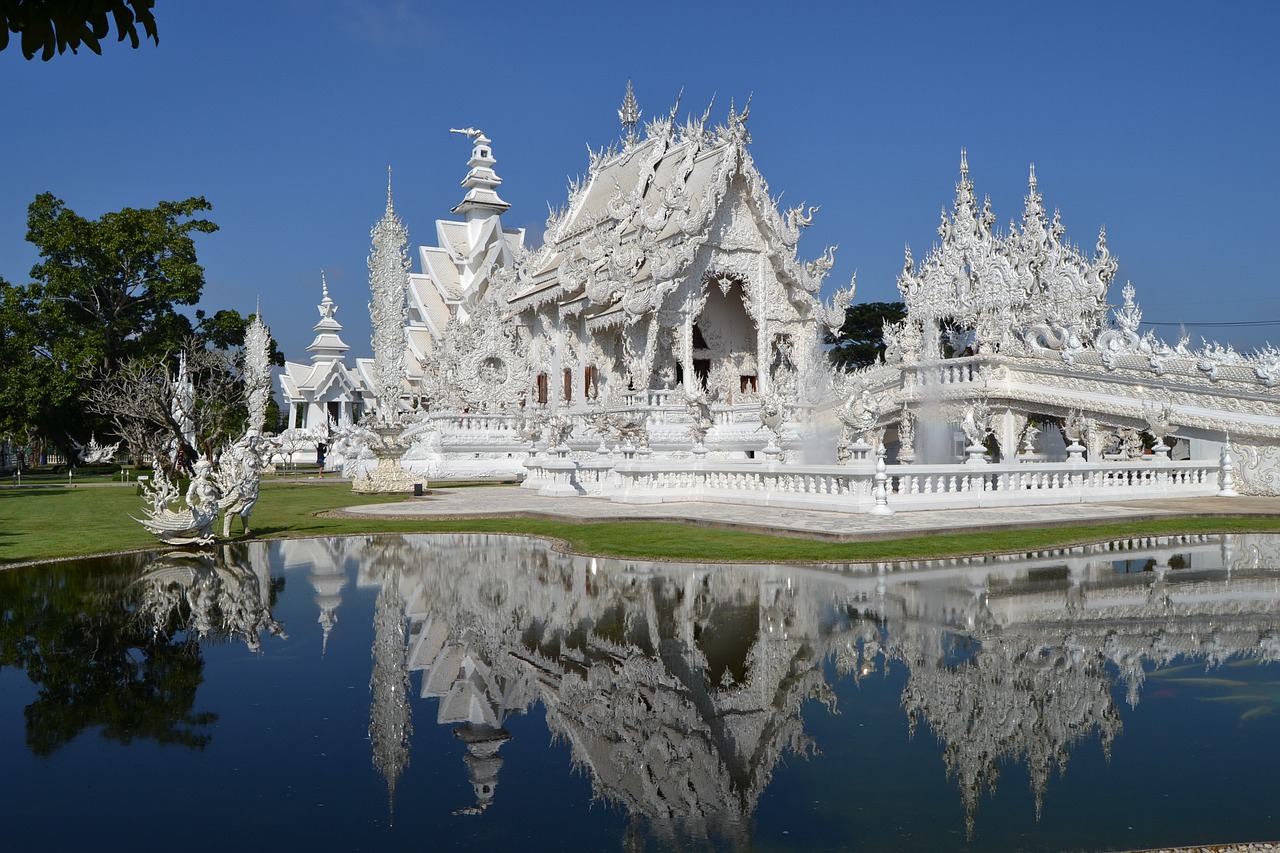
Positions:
{"x": 114, "y": 644}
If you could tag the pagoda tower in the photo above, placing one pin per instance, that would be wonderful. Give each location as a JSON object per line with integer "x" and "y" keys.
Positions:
{"x": 481, "y": 183}
{"x": 328, "y": 345}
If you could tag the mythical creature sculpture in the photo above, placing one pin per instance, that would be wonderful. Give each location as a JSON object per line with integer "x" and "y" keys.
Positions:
{"x": 703, "y": 420}
{"x": 772, "y": 417}
{"x": 1073, "y": 427}
{"x": 974, "y": 422}
{"x": 558, "y": 429}
{"x": 93, "y": 453}
{"x": 239, "y": 479}
{"x": 859, "y": 415}
{"x": 192, "y": 525}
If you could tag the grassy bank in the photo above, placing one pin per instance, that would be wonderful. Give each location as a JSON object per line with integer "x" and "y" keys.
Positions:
{"x": 44, "y": 523}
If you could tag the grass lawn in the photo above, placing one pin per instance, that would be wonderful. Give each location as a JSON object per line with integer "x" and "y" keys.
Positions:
{"x": 49, "y": 522}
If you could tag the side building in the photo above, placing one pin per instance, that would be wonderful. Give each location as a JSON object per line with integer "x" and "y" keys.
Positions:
{"x": 325, "y": 394}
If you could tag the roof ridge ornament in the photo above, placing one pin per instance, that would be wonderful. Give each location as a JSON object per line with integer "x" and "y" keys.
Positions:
{"x": 629, "y": 114}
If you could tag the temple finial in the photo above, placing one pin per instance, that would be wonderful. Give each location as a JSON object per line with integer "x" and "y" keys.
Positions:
{"x": 1031, "y": 181}
{"x": 389, "y": 206}
{"x": 964, "y": 163}
{"x": 629, "y": 113}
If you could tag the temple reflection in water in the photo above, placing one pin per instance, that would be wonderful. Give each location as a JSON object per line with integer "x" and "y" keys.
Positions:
{"x": 679, "y": 688}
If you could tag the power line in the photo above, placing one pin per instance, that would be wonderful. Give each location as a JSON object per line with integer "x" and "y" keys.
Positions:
{"x": 1217, "y": 325}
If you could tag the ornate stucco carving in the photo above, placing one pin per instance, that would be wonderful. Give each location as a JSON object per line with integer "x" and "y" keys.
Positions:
{"x": 388, "y": 279}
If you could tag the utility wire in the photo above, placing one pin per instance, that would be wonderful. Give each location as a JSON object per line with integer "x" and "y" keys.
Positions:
{"x": 1217, "y": 325}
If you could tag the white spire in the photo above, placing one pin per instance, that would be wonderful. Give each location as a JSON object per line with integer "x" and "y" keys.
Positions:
{"x": 328, "y": 344}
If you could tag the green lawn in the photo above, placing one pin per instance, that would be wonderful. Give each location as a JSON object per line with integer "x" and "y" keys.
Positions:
{"x": 51, "y": 522}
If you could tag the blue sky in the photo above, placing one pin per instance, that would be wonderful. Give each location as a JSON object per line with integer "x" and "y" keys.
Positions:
{"x": 1158, "y": 120}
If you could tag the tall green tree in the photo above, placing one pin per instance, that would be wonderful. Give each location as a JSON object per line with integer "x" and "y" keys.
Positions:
{"x": 106, "y": 291}
{"x": 109, "y": 288}
{"x": 51, "y": 26}
{"x": 860, "y": 341}
{"x": 38, "y": 396}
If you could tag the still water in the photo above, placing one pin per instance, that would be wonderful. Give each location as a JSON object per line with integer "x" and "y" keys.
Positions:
{"x": 485, "y": 692}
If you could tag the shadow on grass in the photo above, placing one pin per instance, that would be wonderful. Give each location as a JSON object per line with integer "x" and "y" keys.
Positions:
{"x": 35, "y": 491}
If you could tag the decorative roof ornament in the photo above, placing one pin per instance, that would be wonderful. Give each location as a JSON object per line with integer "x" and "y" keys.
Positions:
{"x": 481, "y": 183}
{"x": 629, "y": 115}
{"x": 736, "y": 126}
{"x": 328, "y": 344}
{"x": 326, "y": 306}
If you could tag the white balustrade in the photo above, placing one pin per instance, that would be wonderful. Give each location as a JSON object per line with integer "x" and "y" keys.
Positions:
{"x": 850, "y": 488}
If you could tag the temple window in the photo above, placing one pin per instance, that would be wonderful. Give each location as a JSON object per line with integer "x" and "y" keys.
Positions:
{"x": 568, "y": 384}
{"x": 702, "y": 369}
{"x": 542, "y": 388}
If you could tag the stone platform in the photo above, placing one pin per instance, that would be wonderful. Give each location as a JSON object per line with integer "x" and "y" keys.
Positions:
{"x": 498, "y": 501}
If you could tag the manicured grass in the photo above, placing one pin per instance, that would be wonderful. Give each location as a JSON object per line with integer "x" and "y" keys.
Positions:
{"x": 48, "y": 523}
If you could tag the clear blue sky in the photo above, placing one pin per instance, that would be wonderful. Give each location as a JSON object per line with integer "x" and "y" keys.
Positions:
{"x": 1158, "y": 120}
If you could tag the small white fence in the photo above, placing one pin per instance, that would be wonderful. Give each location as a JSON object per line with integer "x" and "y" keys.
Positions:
{"x": 851, "y": 488}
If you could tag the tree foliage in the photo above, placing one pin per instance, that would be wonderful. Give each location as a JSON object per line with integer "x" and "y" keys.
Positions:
{"x": 860, "y": 341}
{"x": 51, "y": 26}
{"x": 38, "y": 396}
{"x": 105, "y": 291}
{"x": 108, "y": 288}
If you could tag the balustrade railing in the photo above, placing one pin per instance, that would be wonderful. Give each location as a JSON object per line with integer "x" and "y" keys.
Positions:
{"x": 475, "y": 422}
{"x": 951, "y": 371}
{"x": 849, "y": 488}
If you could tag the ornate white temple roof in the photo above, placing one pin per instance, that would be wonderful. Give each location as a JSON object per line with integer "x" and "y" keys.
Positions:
{"x": 632, "y": 228}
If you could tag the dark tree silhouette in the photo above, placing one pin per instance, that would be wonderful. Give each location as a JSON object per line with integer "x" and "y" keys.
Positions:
{"x": 860, "y": 341}
{"x": 48, "y": 27}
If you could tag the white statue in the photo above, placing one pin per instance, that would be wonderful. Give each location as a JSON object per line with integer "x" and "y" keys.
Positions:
{"x": 192, "y": 525}
{"x": 93, "y": 453}
{"x": 239, "y": 480}
{"x": 702, "y": 419}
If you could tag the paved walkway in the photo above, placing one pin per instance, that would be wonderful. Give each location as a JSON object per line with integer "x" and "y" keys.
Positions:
{"x": 489, "y": 501}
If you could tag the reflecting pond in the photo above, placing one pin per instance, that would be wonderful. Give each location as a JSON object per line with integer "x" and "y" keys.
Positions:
{"x": 478, "y": 691}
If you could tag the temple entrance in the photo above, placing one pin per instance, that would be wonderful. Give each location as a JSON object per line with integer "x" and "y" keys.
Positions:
{"x": 724, "y": 339}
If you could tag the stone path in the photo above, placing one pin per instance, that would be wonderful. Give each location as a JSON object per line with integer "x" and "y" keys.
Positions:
{"x": 489, "y": 501}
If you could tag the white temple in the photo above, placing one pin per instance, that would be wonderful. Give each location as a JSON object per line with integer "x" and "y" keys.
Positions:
{"x": 666, "y": 343}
